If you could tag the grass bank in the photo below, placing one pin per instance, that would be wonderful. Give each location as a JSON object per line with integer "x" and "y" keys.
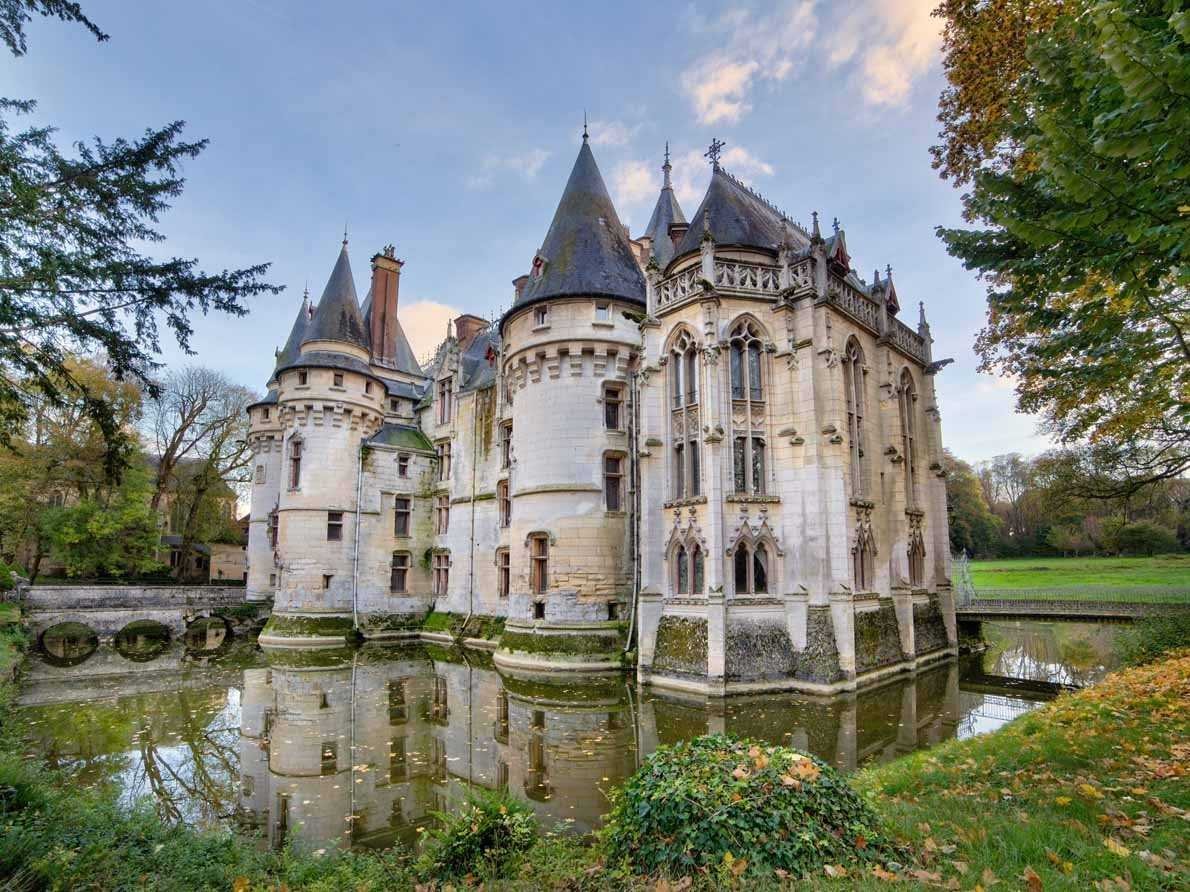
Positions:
{"x": 1091, "y": 791}
{"x": 1164, "y": 578}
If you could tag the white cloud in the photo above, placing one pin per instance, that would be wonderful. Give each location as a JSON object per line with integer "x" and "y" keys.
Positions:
{"x": 634, "y": 183}
{"x": 612, "y": 133}
{"x": 526, "y": 165}
{"x": 901, "y": 41}
{"x": 757, "y": 48}
{"x": 424, "y": 323}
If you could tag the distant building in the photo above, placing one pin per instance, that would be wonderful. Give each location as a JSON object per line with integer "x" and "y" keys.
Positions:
{"x": 716, "y": 434}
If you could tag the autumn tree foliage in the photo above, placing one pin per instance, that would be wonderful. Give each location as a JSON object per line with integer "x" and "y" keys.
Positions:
{"x": 1067, "y": 121}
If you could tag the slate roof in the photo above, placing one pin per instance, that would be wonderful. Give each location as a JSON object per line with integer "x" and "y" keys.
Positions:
{"x": 338, "y": 317}
{"x": 323, "y": 359}
{"x": 293, "y": 345}
{"x": 401, "y": 435}
{"x": 666, "y": 212}
{"x": 475, "y": 372}
{"x": 403, "y": 389}
{"x": 737, "y": 217}
{"x": 404, "y": 358}
{"x": 586, "y": 251}
{"x": 269, "y": 399}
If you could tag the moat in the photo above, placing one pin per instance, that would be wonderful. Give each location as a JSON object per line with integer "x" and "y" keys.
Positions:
{"x": 360, "y": 747}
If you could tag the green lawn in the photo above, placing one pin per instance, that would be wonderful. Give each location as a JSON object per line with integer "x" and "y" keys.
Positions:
{"x": 1145, "y": 580}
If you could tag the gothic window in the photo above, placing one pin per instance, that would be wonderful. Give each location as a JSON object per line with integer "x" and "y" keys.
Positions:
{"x": 749, "y": 471}
{"x": 696, "y": 570}
{"x": 398, "y": 580}
{"x": 441, "y": 573}
{"x": 539, "y": 564}
{"x": 506, "y": 444}
{"x": 503, "y": 572}
{"x": 443, "y": 452}
{"x": 503, "y": 503}
{"x": 441, "y": 514}
{"x": 334, "y": 526}
{"x": 684, "y": 417}
{"x": 853, "y": 384}
{"x": 295, "y": 463}
{"x": 907, "y": 403}
{"x": 751, "y": 569}
{"x": 445, "y": 394}
{"x": 613, "y": 408}
{"x": 613, "y": 481}
{"x": 863, "y": 556}
{"x": 917, "y": 557}
{"x": 682, "y": 570}
{"x": 402, "y": 515}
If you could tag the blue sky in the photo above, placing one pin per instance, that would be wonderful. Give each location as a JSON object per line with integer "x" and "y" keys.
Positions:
{"x": 449, "y": 130}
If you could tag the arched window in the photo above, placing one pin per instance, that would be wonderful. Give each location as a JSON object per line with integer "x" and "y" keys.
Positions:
{"x": 696, "y": 570}
{"x": 684, "y": 417}
{"x": 863, "y": 559}
{"x": 682, "y": 569}
{"x": 917, "y": 557}
{"x": 747, "y": 395}
{"x": 907, "y": 403}
{"x": 751, "y": 569}
{"x": 853, "y": 385}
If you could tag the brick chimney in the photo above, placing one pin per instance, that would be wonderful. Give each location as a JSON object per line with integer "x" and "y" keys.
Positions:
{"x": 386, "y": 282}
{"x": 519, "y": 284}
{"x": 467, "y": 327}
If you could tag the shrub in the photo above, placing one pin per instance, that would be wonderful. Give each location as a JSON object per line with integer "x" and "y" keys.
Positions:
{"x": 716, "y": 802}
{"x": 1152, "y": 637}
{"x": 484, "y": 838}
{"x": 1147, "y": 539}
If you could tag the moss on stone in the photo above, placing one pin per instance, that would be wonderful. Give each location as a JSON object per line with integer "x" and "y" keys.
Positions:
{"x": 593, "y": 689}
{"x": 450, "y": 623}
{"x": 289, "y": 626}
{"x": 877, "y": 639}
{"x": 563, "y": 645}
{"x": 312, "y": 658}
{"x": 390, "y": 622}
{"x": 489, "y": 628}
{"x": 681, "y": 646}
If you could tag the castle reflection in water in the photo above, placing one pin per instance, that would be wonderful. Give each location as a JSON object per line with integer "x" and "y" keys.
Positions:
{"x": 364, "y": 751}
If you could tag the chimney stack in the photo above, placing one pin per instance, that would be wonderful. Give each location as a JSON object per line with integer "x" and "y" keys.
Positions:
{"x": 386, "y": 282}
{"x": 676, "y": 233}
{"x": 467, "y": 327}
{"x": 519, "y": 284}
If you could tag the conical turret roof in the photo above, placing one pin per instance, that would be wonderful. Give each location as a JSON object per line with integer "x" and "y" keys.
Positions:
{"x": 737, "y": 217}
{"x": 338, "y": 317}
{"x": 665, "y": 214}
{"x": 289, "y": 353}
{"x": 586, "y": 251}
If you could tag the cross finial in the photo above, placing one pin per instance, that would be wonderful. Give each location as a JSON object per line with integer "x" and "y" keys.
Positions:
{"x": 344, "y": 235}
{"x": 835, "y": 224}
{"x": 714, "y": 152}
{"x": 585, "y": 134}
{"x": 306, "y": 292}
{"x": 888, "y": 271}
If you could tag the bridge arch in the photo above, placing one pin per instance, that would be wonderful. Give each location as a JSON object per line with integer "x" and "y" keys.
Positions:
{"x": 68, "y": 643}
{"x": 206, "y": 633}
{"x": 142, "y": 640}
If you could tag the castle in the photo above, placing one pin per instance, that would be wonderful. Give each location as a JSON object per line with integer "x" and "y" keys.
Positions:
{"x": 714, "y": 447}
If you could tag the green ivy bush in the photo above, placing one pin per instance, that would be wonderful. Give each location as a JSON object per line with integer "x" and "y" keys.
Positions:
{"x": 716, "y": 803}
{"x": 1151, "y": 638}
{"x": 485, "y": 838}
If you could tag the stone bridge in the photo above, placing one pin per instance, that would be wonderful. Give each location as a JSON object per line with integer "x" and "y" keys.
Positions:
{"x": 108, "y": 609}
{"x": 981, "y": 609}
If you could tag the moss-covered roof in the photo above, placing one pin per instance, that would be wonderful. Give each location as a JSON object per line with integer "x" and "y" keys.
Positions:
{"x": 401, "y": 436}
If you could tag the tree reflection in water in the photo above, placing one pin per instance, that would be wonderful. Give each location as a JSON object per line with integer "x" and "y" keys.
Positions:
{"x": 1064, "y": 653}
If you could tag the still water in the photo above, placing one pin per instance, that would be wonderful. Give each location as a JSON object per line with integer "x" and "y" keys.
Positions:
{"x": 362, "y": 750}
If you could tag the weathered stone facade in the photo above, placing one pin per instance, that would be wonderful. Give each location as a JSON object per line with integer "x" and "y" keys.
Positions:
{"x": 714, "y": 444}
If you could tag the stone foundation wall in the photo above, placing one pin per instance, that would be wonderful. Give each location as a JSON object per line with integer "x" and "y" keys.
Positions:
{"x": 758, "y": 651}
{"x": 819, "y": 662}
{"x": 877, "y": 639}
{"x": 929, "y": 630}
{"x": 681, "y": 646}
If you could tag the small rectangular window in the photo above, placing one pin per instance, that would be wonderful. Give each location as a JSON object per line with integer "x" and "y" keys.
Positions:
{"x": 541, "y": 316}
{"x": 264, "y": 414}
{"x": 539, "y": 609}
{"x": 326, "y": 580}
{"x": 303, "y": 377}
{"x": 441, "y": 514}
{"x": 394, "y": 404}
{"x": 260, "y": 473}
{"x": 402, "y": 465}
{"x": 502, "y": 572}
{"x": 503, "y": 503}
{"x": 603, "y": 312}
{"x": 441, "y": 573}
{"x": 443, "y": 451}
{"x": 334, "y": 526}
{"x": 539, "y": 557}
{"x": 367, "y": 387}
{"x": 338, "y": 379}
{"x": 399, "y": 577}
{"x": 613, "y": 482}
{"x": 445, "y": 395}
{"x": 403, "y": 513}
{"x": 613, "y": 401}
{"x": 506, "y": 445}
{"x": 272, "y": 579}
{"x": 613, "y": 611}
{"x": 295, "y": 464}
{"x": 398, "y": 769}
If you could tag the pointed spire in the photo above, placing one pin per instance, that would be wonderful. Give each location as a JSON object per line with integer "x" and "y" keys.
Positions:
{"x": 338, "y": 315}
{"x": 288, "y": 354}
{"x": 666, "y": 168}
{"x": 585, "y": 134}
{"x": 876, "y": 276}
{"x": 344, "y": 234}
{"x": 815, "y": 232}
{"x": 585, "y": 251}
{"x": 921, "y": 315}
{"x": 666, "y": 212}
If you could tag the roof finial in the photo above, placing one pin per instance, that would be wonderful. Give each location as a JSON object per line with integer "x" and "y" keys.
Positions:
{"x": 876, "y": 276}
{"x": 815, "y": 232}
{"x": 666, "y": 167}
{"x": 585, "y": 134}
{"x": 306, "y": 293}
{"x": 921, "y": 314}
{"x": 835, "y": 224}
{"x": 714, "y": 152}
{"x": 888, "y": 271}
{"x": 344, "y": 234}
